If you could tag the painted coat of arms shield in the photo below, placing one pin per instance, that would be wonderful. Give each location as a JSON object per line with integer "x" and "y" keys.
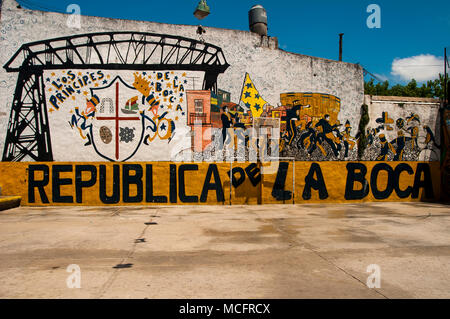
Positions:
{"x": 118, "y": 127}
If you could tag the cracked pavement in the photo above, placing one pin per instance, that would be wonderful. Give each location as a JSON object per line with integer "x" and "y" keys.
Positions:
{"x": 271, "y": 251}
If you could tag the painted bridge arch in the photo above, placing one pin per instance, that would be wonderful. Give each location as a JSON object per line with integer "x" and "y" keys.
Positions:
{"x": 28, "y": 131}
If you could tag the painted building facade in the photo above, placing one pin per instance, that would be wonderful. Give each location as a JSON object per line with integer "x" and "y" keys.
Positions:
{"x": 115, "y": 92}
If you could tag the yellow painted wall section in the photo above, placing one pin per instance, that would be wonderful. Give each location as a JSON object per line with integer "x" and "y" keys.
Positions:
{"x": 166, "y": 183}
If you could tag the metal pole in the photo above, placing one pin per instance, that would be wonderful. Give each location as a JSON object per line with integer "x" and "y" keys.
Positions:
{"x": 231, "y": 180}
{"x": 445, "y": 79}
{"x": 443, "y": 127}
{"x": 340, "y": 46}
{"x": 293, "y": 181}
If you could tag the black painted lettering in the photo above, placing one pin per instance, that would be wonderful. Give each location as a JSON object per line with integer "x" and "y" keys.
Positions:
{"x": 33, "y": 183}
{"x": 253, "y": 173}
{"x": 115, "y": 197}
{"x": 57, "y": 182}
{"x": 426, "y": 183}
{"x": 235, "y": 180}
{"x": 278, "y": 190}
{"x": 54, "y": 102}
{"x": 356, "y": 172}
{"x": 173, "y": 183}
{"x": 134, "y": 179}
{"x": 181, "y": 183}
{"x": 317, "y": 184}
{"x": 149, "y": 196}
{"x": 85, "y": 79}
{"x": 208, "y": 186}
{"x": 403, "y": 167}
{"x": 80, "y": 183}
{"x": 374, "y": 179}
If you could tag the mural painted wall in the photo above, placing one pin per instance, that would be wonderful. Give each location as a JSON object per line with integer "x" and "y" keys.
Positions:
{"x": 169, "y": 183}
{"x": 121, "y": 112}
{"x": 117, "y": 116}
{"x": 235, "y": 54}
{"x": 403, "y": 129}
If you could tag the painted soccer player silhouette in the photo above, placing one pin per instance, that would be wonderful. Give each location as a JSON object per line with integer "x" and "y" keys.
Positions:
{"x": 292, "y": 115}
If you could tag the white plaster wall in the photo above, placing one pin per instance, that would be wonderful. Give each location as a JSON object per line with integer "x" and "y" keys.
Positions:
{"x": 273, "y": 71}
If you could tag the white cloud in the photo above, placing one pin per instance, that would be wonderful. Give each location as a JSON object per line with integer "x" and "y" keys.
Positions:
{"x": 422, "y": 67}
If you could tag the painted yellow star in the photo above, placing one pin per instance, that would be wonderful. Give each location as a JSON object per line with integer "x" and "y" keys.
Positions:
{"x": 184, "y": 74}
{"x": 79, "y": 73}
{"x": 181, "y": 100}
{"x": 51, "y": 110}
{"x": 50, "y": 89}
{"x": 53, "y": 74}
{"x": 85, "y": 92}
{"x": 170, "y": 106}
{"x": 176, "y": 118}
{"x": 169, "y": 85}
{"x": 108, "y": 76}
{"x": 73, "y": 98}
{"x": 96, "y": 84}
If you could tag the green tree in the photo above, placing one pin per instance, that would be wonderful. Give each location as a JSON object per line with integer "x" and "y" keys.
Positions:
{"x": 431, "y": 89}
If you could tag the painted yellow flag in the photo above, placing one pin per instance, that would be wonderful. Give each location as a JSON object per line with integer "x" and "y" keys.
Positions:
{"x": 251, "y": 97}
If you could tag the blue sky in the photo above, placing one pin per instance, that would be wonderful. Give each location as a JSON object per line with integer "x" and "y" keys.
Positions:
{"x": 413, "y": 33}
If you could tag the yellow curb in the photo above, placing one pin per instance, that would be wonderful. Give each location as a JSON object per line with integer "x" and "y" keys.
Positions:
{"x": 7, "y": 202}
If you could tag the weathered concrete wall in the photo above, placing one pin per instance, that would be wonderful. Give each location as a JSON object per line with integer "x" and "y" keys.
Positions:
{"x": 272, "y": 71}
{"x": 119, "y": 97}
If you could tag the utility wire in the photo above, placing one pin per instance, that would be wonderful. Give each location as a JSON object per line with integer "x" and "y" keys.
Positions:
{"x": 373, "y": 76}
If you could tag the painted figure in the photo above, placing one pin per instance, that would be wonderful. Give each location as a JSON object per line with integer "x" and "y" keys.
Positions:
{"x": 227, "y": 126}
{"x": 308, "y": 139}
{"x": 348, "y": 143}
{"x": 414, "y": 131}
{"x": 385, "y": 147}
{"x": 240, "y": 129}
{"x": 291, "y": 117}
{"x": 400, "y": 141}
{"x": 327, "y": 135}
{"x": 83, "y": 121}
{"x": 430, "y": 137}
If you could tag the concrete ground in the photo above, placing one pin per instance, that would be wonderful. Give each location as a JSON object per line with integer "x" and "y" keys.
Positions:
{"x": 301, "y": 251}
